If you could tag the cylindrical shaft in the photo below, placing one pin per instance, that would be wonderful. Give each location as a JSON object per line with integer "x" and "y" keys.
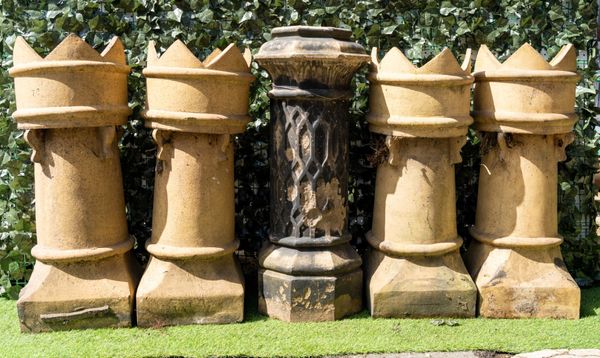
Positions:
{"x": 203, "y": 216}
{"x": 415, "y": 201}
{"x": 76, "y": 208}
{"x": 517, "y": 189}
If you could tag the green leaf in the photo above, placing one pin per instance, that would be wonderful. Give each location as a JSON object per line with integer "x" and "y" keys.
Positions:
{"x": 445, "y": 11}
{"x": 51, "y": 15}
{"x": 206, "y": 15}
{"x": 175, "y": 15}
{"x": 247, "y": 16}
{"x": 388, "y": 30}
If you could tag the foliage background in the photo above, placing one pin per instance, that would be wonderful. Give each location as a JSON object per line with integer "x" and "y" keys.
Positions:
{"x": 420, "y": 28}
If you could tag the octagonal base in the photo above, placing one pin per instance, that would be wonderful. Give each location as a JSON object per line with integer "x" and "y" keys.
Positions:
{"x": 523, "y": 283}
{"x": 309, "y": 298}
{"x": 419, "y": 286}
{"x": 190, "y": 292}
{"x": 79, "y": 295}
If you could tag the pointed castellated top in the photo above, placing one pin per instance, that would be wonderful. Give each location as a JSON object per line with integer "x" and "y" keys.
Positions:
{"x": 189, "y": 95}
{"x": 74, "y": 86}
{"x": 526, "y": 93}
{"x": 528, "y": 59}
{"x": 178, "y": 55}
{"x": 443, "y": 64}
{"x": 72, "y": 48}
{"x": 410, "y": 101}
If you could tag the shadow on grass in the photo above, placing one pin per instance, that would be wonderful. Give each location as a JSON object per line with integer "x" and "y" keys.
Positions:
{"x": 251, "y": 299}
{"x": 360, "y": 315}
{"x": 590, "y": 302}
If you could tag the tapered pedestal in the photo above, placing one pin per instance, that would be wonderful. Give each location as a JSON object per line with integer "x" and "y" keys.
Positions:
{"x": 436, "y": 286}
{"x": 191, "y": 292}
{"x": 92, "y": 294}
{"x": 523, "y": 283}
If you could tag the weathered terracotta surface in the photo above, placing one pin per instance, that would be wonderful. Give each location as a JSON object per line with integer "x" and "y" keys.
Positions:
{"x": 69, "y": 104}
{"x": 524, "y": 109}
{"x": 309, "y": 270}
{"x": 414, "y": 267}
{"x": 194, "y": 107}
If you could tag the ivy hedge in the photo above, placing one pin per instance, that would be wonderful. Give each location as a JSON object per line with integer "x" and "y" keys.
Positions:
{"x": 420, "y": 28}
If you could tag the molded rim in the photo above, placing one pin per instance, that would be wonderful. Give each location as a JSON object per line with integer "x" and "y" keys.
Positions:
{"x": 514, "y": 241}
{"x": 407, "y": 249}
{"x": 50, "y": 254}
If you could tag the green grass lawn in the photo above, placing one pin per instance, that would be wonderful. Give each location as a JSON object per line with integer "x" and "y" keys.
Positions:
{"x": 259, "y": 336}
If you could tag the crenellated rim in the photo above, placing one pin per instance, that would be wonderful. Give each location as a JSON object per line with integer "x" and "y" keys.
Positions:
{"x": 71, "y": 55}
{"x": 204, "y": 96}
{"x": 410, "y": 101}
{"x": 178, "y": 62}
{"x": 444, "y": 64}
{"x": 178, "y": 55}
{"x": 443, "y": 70}
{"x": 527, "y": 65}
